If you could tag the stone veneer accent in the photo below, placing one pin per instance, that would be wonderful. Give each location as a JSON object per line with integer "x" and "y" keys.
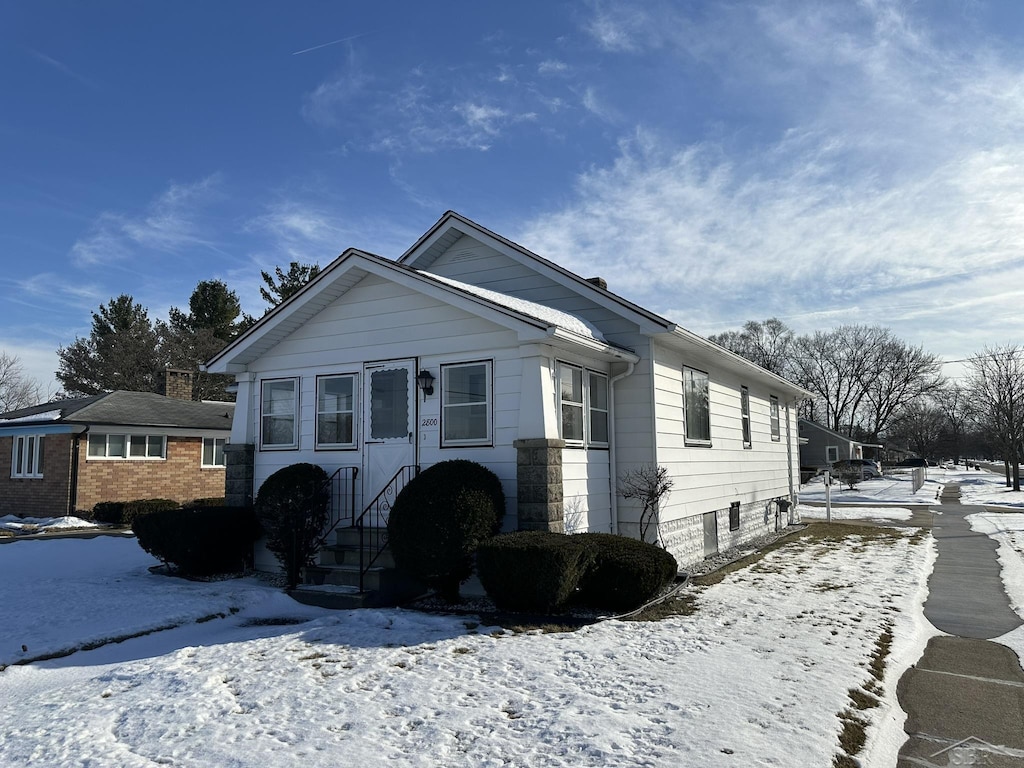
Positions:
{"x": 539, "y": 481}
{"x": 684, "y": 537}
{"x": 241, "y": 460}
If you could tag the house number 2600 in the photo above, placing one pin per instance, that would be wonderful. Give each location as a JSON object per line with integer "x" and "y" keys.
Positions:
{"x": 428, "y": 422}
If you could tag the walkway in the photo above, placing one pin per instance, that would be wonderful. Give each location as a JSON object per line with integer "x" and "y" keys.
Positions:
{"x": 964, "y": 687}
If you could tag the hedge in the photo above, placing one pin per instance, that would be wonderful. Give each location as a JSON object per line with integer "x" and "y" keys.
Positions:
{"x": 624, "y": 573}
{"x": 200, "y": 541}
{"x": 124, "y": 512}
{"x": 533, "y": 571}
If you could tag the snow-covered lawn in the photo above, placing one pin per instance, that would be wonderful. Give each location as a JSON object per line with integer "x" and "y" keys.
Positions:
{"x": 1007, "y": 528}
{"x": 44, "y": 524}
{"x": 757, "y": 676}
{"x": 808, "y": 512}
{"x": 888, "y": 489}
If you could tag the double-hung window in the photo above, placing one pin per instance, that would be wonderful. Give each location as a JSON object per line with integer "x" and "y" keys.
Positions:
{"x": 466, "y": 399}
{"x": 745, "y": 415}
{"x": 279, "y": 414}
{"x": 336, "y": 411}
{"x": 138, "y": 447}
{"x": 213, "y": 451}
{"x": 697, "y": 407}
{"x": 27, "y": 456}
{"x": 583, "y": 406}
{"x": 773, "y": 405}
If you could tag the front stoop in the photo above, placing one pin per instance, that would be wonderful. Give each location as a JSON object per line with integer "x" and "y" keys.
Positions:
{"x": 334, "y": 582}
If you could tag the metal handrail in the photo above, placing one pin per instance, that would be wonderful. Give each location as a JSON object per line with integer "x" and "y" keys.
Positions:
{"x": 342, "y": 506}
{"x": 375, "y": 516}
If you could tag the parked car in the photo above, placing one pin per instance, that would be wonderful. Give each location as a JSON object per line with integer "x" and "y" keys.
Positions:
{"x": 913, "y": 463}
{"x": 869, "y": 469}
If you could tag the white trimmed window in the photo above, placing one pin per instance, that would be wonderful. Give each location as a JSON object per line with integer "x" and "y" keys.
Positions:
{"x": 213, "y": 451}
{"x": 466, "y": 399}
{"x": 773, "y": 405}
{"x": 745, "y": 416}
{"x": 279, "y": 414}
{"x": 831, "y": 453}
{"x": 697, "y": 406}
{"x": 114, "y": 446}
{"x": 583, "y": 406}
{"x": 336, "y": 411}
{"x": 27, "y": 456}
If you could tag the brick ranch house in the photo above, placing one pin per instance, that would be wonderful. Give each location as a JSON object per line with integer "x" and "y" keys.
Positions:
{"x": 69, "y": 455}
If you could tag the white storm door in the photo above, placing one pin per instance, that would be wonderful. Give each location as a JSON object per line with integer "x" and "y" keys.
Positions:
{"x": 389, "y": 423}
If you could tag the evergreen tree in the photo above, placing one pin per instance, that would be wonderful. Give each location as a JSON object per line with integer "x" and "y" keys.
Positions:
{"x": 285, "y": 284}
{"x": 121, "y": 352}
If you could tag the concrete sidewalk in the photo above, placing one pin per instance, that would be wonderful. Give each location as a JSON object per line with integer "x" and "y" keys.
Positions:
{"x": 964, "y": 698}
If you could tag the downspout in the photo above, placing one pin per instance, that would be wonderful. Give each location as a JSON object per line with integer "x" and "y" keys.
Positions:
{"x": 789, "y": 462}
{"x": 613, "y": 465}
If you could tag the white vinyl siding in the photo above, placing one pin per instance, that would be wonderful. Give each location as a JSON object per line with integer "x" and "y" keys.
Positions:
{"x": 134, "y": 447}
{"x": 336, "y": 411}
{"x": 279, "y": 414}
{"x": 27, "y": 456}
{"x": 466, "y": 404}
{"x": 213, "y": 452}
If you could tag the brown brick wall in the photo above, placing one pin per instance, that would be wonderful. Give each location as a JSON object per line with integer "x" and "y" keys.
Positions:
{"x": 178, "y": 477}
{"x": 37, "y": 497}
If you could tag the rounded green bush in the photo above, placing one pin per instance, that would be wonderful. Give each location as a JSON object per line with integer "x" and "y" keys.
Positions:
{"x": 532, "y": 571}
{"x": 440, "y": 518}
{"x": 625, "y": 573}
{"x": 292, "y": 507}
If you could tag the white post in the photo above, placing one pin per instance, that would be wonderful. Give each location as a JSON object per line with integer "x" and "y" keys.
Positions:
{"x": 828, "y": 497}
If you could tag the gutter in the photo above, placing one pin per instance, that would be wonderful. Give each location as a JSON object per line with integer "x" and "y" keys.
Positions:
{"x": 613, "y": 463}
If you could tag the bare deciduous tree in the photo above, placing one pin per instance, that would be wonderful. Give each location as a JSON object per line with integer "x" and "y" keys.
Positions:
{"x": 897, "y": 375}
{"x": 17, "y": 389}
{"x": 769, "y": 343}
{"x": 996, "y": 387}
{"x": 648, "y": 484}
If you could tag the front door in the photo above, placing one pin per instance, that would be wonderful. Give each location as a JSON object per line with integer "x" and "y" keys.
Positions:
{"x": 389, "y": 419}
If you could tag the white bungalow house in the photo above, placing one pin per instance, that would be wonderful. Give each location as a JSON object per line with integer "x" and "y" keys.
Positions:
{"x": 554, "y": 382}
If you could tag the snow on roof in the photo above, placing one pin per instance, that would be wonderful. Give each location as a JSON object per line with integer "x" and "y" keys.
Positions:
{"x": 545, "y": 314}
{"x": 45, "y": 416}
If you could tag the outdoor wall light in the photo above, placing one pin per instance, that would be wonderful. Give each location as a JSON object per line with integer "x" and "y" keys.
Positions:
{"x": 425, "y": 381}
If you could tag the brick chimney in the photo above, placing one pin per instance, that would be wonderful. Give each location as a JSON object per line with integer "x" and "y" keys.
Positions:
{"x": 177, "y": 384}
{"x": 600, "y": 282}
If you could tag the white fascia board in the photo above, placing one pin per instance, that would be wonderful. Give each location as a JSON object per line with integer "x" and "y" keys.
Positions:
{"x": 680, "y": 338}
{"x": 39, "y": 428}
{"x": 568, "y": 340}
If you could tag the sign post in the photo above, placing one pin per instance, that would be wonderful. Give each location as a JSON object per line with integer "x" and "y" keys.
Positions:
{"x": 828, "y": 496}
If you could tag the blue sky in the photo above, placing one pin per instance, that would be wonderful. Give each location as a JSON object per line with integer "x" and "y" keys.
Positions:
{"x": 821, "y": 162}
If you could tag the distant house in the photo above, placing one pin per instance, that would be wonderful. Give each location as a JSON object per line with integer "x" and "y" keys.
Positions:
{"x": 821, "y": 446}
{"x": 470, "y": 346}
{"x": 71, "y": 454}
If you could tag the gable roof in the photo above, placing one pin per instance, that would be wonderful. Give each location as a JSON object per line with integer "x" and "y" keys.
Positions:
{"x": 801, "y": 423}
{"x": 125, "y": 409}
{"x": 341, "y": 275}
{"x": 452, "y": 225}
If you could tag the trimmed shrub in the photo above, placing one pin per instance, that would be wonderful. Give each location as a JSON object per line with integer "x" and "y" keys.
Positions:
{"x": 624, "y": 573}
{"x": 124, "y": 512}
{"x": 199, "y": 542}
{"x": 209, "y": 501}
{"x": 292, "y": 507}
{"x": 532, "y": 571}
{"x": 440, "y": 518}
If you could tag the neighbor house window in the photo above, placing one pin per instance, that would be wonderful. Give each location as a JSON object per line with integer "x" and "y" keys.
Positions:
{"x": 27, "y": 456}
{"x": 113, "y": 446}
{"x": 583, "y": 405}
{"x": 773, "y": 405}
{"x": 213, "y": 451}
{"x": 279, "y": 413}
{"x": 832, "y": 453}
{"x": 696, "y": 404}
{"x": 336, "y": 411}
{"x": 466, "y": 404}
{"x": 745, "y": 415}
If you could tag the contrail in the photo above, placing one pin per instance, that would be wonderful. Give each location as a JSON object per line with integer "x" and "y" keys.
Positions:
{"x": 324, "y": 45}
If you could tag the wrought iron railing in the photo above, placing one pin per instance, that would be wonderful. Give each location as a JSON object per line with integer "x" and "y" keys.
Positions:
{"x": 373, "y": 522}
{"x": 341, "y": 487}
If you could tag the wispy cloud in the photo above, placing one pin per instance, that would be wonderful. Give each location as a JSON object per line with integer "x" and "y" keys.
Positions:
{"x": 166, "y": 225}
{"x": 892, "y": 196}
{"x": 63, "y": 68}
{"x": 329, "y": 99}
